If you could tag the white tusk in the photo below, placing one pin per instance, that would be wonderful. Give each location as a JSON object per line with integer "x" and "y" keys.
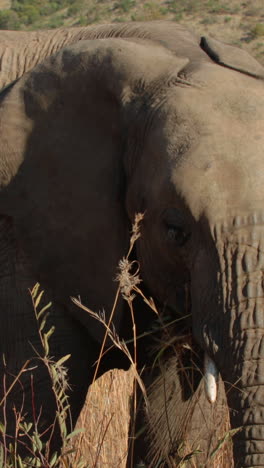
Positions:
{"x": 210, "y": 378}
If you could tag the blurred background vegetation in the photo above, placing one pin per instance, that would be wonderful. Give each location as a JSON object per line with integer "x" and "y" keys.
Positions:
{"x": 234, "y": 21}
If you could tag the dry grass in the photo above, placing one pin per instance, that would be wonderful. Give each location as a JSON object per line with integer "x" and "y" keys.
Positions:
{"x": 103, "y": 426}
{"x": 106, "y": 415}
{"x": 105, "y": 418}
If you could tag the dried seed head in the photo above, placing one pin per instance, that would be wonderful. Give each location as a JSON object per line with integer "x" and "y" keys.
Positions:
{"x": 136, "y": 228}
{"x": 128, "y": 280}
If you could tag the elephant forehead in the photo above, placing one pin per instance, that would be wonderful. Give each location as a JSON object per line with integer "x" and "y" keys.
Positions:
{"x": 241, "y": 99}
{"x": 229, "y": 91}
{"x": 199, "y": 113}
{"x": 197, "y": 123}
{"x": 223, "y": 171}
{"x": 209, "y": 143}
{"x": 216, "y": 150}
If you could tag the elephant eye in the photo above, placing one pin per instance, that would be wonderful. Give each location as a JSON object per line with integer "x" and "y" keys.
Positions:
{"x": 177, "y": 234}
{"x": 175, "y": 226}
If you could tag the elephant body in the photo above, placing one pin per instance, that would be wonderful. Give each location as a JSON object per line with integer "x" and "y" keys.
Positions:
{"x": 178, "y": 424}
{"x": 186, "y": 428}
{"x": 21, "y": 51}
{"x": 98, "y": 124}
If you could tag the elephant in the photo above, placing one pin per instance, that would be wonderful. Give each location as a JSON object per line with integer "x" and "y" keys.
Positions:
{"x": 98, "y": 124}
{"x": 179, "y": 425}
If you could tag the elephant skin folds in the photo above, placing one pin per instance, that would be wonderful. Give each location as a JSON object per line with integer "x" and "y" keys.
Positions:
{"x": 98, "y": 124}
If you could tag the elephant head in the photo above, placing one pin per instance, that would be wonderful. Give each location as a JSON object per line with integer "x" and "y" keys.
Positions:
{"x": 110, "y": 127}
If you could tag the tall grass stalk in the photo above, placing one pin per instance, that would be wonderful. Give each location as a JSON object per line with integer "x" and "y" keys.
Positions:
{"x": 38, "y": 452}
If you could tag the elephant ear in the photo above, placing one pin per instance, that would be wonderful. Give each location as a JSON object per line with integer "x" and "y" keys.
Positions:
{"x": 62, "y": 133}
{"x": 232, "y": 57}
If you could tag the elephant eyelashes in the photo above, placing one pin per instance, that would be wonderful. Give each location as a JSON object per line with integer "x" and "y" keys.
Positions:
{"x": 177, "y": 234}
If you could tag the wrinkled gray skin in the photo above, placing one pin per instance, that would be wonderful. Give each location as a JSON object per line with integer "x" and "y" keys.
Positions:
{"x": 181, "y": 422}
{"x": 144, "y": 118}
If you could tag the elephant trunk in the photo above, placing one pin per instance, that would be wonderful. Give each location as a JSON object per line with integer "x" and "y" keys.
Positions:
{"x": 244, "y": 364}
{"x": 247, "y": 412}
{"x": 244, "y": 379}
{"x": 239, "y": 348}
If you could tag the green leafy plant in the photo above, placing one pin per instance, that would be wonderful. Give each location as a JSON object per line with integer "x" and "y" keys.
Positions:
{"x": 124, "y": 5}
{"x": 258, "y": 30}
{"x": 215, "y": 7}
{"x": 183, "y": 6}
{"x": 9, "y": 20}
{"x": 75, "y": 8}
{"x": 55, "y": 22}
{"x": 209, "y": 20}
